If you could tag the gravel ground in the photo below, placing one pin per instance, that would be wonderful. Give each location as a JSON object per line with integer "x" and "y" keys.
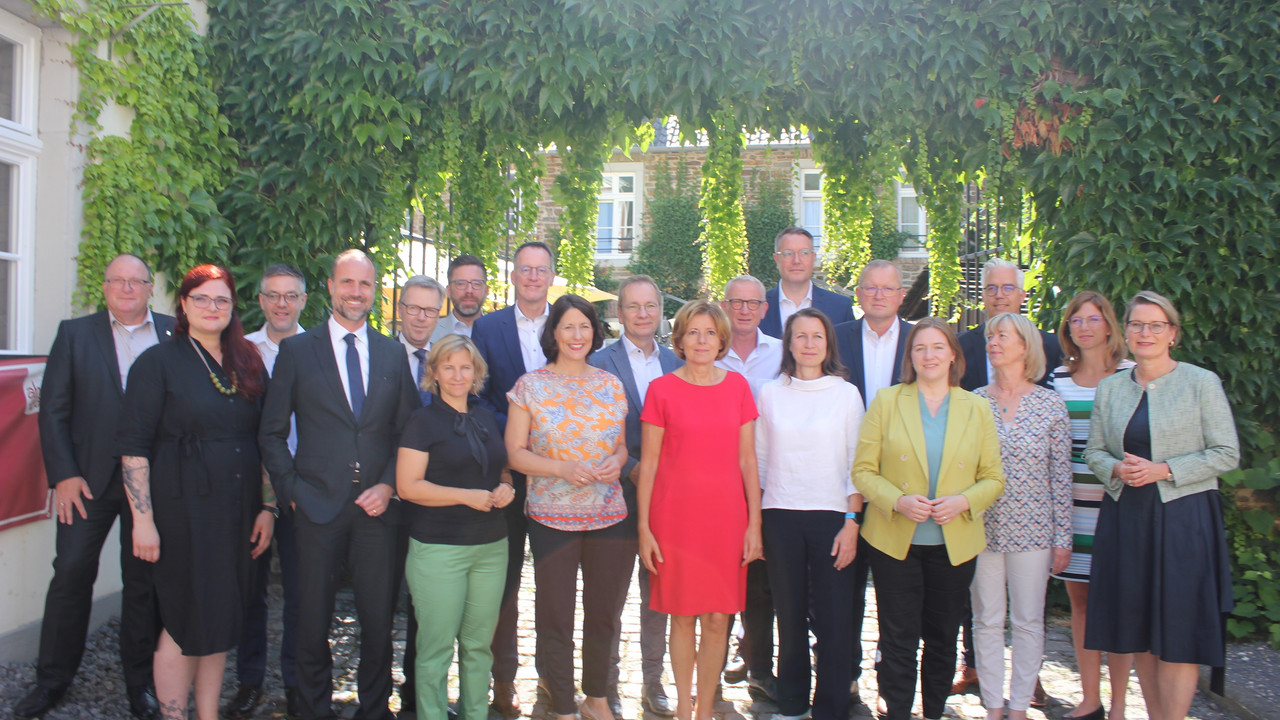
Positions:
{"x": 1253, "y": 674}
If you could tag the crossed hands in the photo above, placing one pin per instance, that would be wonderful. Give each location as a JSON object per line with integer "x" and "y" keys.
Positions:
{"x": 1136, "y": 471}
{"x": 581, "y": 473}
{"x": 918, "y": 508}
{"x": 484, "y": 501}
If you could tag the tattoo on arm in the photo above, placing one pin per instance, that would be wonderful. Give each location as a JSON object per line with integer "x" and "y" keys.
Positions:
{"x": 137, "y": 482}
{"x": 268, "y": 490}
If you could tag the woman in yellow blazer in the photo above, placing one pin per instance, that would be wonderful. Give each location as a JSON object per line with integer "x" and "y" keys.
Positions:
{"x": 928, "y": 465}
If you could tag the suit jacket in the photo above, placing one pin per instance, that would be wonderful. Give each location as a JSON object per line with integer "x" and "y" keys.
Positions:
{"x": 614, "y": 359}
{"x": 849, "y": 343}
{"x": 498, "y": 340}
{"x": 892, "y": 462}
{"x": 81, "y": 398}
{"x": 974, "y": 345}
{"x": 837, "y": 308}
{"x": 335, "y": 448}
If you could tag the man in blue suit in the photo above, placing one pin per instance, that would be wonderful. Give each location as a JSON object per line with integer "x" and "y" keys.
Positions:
{"x": 637, "y": 359}
{"x": 794, "y": 255}
{"x": 509, "y": 342}
{"x": 872, "y": 348}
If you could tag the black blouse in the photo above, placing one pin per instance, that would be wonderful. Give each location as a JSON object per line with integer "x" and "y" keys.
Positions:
{"x": 465, "y": 450}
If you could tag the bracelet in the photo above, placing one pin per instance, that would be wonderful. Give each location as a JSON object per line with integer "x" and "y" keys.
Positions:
{"x": 273, "y": 509}
{"x": 855, "y": 516}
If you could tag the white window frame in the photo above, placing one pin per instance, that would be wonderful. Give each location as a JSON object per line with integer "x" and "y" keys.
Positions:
{"x": 20, "y": 148}
{"x": 800, "y": 196}
{"x": 905, "y": 190}
{"x": 636, "y": 197}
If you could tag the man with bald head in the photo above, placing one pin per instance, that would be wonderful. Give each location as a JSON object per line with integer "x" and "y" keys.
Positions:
{"x": 83, "y": 389}
{"x": 351, "y": 393}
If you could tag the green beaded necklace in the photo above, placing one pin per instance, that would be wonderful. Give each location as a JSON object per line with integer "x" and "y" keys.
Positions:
{"x": 217, "y": 383}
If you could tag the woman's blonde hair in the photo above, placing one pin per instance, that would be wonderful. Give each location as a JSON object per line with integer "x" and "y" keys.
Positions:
{"x": 691, "y": 310}
{"x": 1033, "y": 361}
{"x": 443, "y": 348}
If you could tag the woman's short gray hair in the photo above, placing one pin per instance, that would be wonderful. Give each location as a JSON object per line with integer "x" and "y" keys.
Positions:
{"x": 1033, "y": 361}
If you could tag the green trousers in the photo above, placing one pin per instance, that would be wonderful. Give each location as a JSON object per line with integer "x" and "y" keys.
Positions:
{"x": 457, "y": 590}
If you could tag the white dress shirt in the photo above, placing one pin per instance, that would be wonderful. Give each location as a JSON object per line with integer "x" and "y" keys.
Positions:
{"x": 130, "y": 341}
{"x": 413, "y": 359}
{"x": 269, "y": 351}
{"x": 645, "y": 368}
{"x": 530, "y": 332}
{"x": 878, "y": 353}
{"x": 761, "y": 365}
{"x": 786, "y": 308}
{"x": 338, "y": 334}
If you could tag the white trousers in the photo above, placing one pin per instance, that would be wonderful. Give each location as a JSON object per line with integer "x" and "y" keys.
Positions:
{"x": 1020, "y": 577}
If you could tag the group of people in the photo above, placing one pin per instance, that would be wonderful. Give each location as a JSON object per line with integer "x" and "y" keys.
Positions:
{"x": 776, "y": 455}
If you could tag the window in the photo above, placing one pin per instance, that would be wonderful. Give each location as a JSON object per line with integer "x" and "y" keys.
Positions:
{"x": 19, "y": 146}
{"x": 811, "y": 204}
{"x": 616, "y": 221}
{"x": 911, "y": 219}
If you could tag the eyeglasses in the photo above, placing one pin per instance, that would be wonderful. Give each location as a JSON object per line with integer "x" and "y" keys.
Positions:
{"x": 129, "y": 283}
{"x": 878, "y": 291}
{"x": 204, "y": 301}
{"x": 469, "y": 284}
{"x": 737, "y": 303}
{"x": 790, "y": 254}
{"x": 1001, "y": 289}
{"x": 416, "y": 310}
{"x": 635, "y": 308}
{"x": 539, "y": 270}
{"x": 1091, "y": 321}
{"x": 1156, "y": 328}
{"x": 274, "y": 298}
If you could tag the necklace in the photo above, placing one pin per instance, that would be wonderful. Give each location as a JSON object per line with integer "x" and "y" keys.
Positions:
{"x": 1009, "y": 404}
{"x": 217, "y": 383}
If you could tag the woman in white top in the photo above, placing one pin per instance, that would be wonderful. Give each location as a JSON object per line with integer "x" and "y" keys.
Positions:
{"x": 806, "y": 438}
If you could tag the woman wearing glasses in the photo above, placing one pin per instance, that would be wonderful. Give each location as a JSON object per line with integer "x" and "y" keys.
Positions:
{"x": 201, "y": 505}
{"x": 1093, "y": 349}
{"x": 1160, "y": 436}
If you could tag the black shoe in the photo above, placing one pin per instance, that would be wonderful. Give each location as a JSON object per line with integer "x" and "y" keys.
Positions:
{"x": 247, "y": 699}
{"x": 762, "y": 689}
{"x": 655, "y": 700}
{"x": 291, "y": 702}
{"x": 615, "y": 706}
{"x": 735, "y": 672}
{"x": 39, "y": 701}
{"x": 142, "y": 702}
{"x": 408, "y": 700}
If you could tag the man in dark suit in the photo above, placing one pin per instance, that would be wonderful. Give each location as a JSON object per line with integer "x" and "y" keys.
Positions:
{"x": 637, "y": 359}
{"x": 1003, "y": 290}
{"x": 350, "y": 391}
{"x": 83, "y": 389}
{"x": 872, "y": 348}
{"x": 508, "y": 341}
{"x": 793, "y": 252}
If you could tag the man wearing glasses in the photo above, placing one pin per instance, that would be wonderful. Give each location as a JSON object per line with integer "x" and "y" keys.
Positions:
{"x": 468, "y": 288}
{"x": 419, "y": 312}
{"x": 793, "y": 252}
{"x": 509, "y": 342}
{"x": 83, "y": 390}
{"x": 282, "y": 295}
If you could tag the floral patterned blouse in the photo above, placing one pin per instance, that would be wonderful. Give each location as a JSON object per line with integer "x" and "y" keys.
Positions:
{"x": 1034, "y": 513}
{"x": 573, "y": 418}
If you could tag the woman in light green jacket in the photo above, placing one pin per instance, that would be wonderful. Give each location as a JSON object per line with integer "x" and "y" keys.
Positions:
{"x": 1160, "y": 436}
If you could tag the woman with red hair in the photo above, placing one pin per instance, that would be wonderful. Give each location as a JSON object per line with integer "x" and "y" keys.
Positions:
{"x": 201, "y": 506}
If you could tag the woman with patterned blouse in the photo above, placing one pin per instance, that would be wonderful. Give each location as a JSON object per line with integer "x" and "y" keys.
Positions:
{"x": 1029, "y": 527}
{"x": 1093, "y": 347}
{"x": 565, "y": 432}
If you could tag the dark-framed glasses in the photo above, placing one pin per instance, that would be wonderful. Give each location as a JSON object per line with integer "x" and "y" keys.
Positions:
{"x": 128, "y": 283}
{"x": 275, "y": 298}
{"x": 1157, "y": 328}
{"x": 737, "y": 303}
{"x": 203, "y": 302}
{"x": 417, "y": 310}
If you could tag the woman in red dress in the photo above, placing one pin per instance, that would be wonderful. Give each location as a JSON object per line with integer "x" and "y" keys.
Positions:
{"x": 699, "y": 500}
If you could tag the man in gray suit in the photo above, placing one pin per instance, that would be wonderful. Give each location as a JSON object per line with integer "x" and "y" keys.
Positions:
{"x": 638, "y": 360}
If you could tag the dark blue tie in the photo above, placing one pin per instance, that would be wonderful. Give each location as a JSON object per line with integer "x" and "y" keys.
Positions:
{"x": 355, "y": 381}
{"x": 421, "y": 354}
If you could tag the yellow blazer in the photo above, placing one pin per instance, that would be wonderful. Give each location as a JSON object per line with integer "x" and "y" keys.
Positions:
{"x": 892, "y": 462}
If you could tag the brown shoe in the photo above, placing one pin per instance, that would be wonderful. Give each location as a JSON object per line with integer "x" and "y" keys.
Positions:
{"x": 1039, "y": 699}
{"x": 966, "y": 679}
{"x": 505, "y": 700}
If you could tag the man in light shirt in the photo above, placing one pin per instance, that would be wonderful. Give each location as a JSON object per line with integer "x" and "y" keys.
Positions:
{"x": 282, "y": 295}
{"x": 794, "y": 255}
{"x": 758, "y": 358}
{"x": 637, "y": 359}
{"x": 468, "y": 288}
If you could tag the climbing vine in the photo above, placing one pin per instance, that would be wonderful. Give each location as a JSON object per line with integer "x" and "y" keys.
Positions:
{"x": 724, "y": 234}
{"x": 576, "y": 189}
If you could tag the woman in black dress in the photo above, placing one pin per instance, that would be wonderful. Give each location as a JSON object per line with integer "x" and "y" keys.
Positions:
{"x": 201, "y": 507}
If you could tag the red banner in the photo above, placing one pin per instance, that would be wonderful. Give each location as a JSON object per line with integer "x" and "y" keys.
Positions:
{"x": 24, "y": 488}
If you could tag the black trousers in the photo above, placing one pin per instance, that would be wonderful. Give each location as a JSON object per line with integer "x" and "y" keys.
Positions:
{"x": 756, "y": 646}
{"x": 69, "y": 602}
{"x": 607, "y": 556}
{"x": 506, "y": 652}
{"x": 921, "y": 597}
{"x": 368, "y": 545}
{"x": 251, "y": 655}
{"x": 861, "y": 569}
{"x": 808, "y": 592}
{"x": 408, "y": 665}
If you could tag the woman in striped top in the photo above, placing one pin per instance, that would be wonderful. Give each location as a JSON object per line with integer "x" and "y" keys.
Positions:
{"x": 1093, "y": 347}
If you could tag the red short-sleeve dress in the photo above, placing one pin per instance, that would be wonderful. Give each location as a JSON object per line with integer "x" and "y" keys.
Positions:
{"x": 698, "y": 510}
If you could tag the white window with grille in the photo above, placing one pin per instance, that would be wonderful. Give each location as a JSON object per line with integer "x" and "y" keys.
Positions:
{"x": 617, "y": 222}
{"x": 19, "y": 149}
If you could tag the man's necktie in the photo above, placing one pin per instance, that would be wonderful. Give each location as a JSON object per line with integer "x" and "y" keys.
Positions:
{"x": 355, "y": 381}
{"x": 421, "y": 354}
